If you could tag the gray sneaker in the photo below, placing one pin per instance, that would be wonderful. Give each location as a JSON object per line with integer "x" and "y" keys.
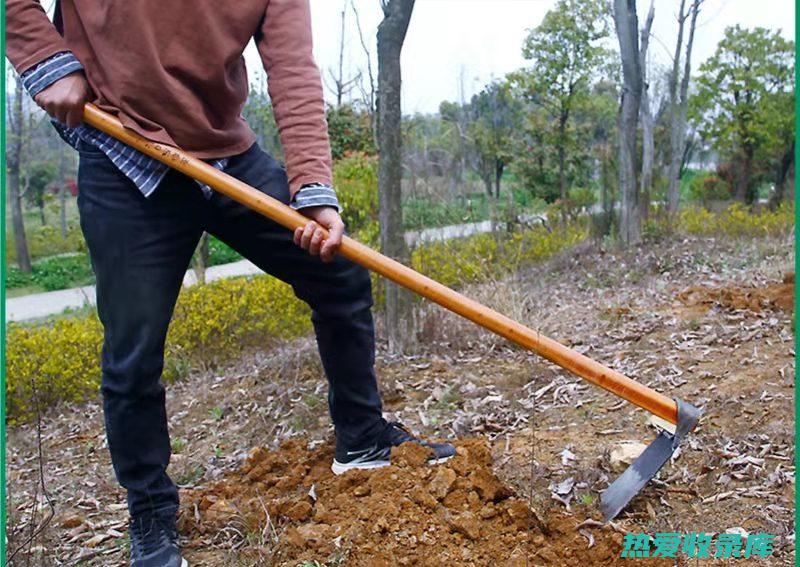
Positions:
{"x": 154, "y": 542}
{"x": 378, "y": 455}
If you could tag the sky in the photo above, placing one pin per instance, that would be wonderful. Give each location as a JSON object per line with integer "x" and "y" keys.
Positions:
{"x": 451, "y": 43}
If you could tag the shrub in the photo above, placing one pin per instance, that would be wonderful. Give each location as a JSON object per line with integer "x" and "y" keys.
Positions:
{"x": 738, "y": 220}
{"x": 355, "y": 178}
{"x": 51, "y": 274}
{"x": 46, "y": 241}
{"x": 60, "y": 360}
{"x": 215, "y": 322}
{"x": 484, "y": 256}
{"x": 705, "y": 187}
{"x": 220, "y": 253}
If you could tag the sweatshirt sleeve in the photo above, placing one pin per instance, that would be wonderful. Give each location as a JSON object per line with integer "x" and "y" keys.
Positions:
{"x": 30, "y": 35}
{"x": 295, "y": 88}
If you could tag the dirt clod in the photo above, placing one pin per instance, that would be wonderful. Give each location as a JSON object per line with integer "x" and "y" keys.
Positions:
{"x": 458, "y": 512}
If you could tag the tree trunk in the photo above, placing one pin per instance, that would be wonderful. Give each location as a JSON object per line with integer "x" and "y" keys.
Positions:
{"x": 200, "y": 262}
{"x": 648, "y": 142}
{"x": 62, "y": 189}
{"x": 391, "y": 35}
{"x": 627, "y": 27}
{"x": 14, "y": 195}
{"x": 499, "y": 167}
{"x": 679, "y": 109}
{"x": 780, "y": 178}
{"x": 562, "y": 176}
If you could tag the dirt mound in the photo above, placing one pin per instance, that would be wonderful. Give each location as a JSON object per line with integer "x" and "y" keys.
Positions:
{"x": 458, "y": 513}
{"x": 772, "y": 297}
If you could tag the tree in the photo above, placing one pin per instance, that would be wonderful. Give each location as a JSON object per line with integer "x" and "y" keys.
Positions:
{"x": 648, "y": 139}
{"x": 743, "y": 102}
{"x": 38, "y": 179}
{"x": 15, "y": 149}
{"x": 495, "y": 119}
{"x": 567, "y": 51}
{"x": 627, "y": 26}
{"x": 679, "y": 103}
{"x": 391, "y": 35}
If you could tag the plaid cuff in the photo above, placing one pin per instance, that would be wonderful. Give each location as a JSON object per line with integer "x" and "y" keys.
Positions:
{"x": 315, "y": 195}
{"x": 47, "y": 72}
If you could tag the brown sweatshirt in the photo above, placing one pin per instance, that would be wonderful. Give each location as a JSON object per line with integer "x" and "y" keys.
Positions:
{"x": 173, "y": 71}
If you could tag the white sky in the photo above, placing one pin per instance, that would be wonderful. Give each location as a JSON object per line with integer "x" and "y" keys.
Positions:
{"x": 483, "y": 39}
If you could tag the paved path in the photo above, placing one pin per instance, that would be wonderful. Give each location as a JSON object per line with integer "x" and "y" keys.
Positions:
{"x": 40, "y": 305}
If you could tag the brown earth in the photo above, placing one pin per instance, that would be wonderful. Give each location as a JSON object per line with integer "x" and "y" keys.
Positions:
{"x": 770, "y": 297}
{"x": 458, "y": 513}
{"x": 551, "y": 435}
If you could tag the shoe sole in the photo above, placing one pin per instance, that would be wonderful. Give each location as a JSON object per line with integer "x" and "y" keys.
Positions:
{"x": 341, "y": 468}
{"x": 184, "y": 563}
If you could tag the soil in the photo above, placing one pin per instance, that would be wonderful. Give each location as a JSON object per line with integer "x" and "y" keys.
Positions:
{"x": 777, "y": 296}
{"x": 705, "y": 320}
{"x": 458, "y": 513}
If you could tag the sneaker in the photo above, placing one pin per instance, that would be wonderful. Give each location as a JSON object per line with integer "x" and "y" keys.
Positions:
{"x": 378, "y": 455}
{"x": 154, "y": 543}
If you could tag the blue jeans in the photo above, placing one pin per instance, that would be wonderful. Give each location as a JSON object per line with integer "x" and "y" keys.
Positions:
{"x": 140, "y": 249}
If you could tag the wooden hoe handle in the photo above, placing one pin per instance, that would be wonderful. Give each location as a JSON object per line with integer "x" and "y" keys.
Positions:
{"x": 583, "y": 366}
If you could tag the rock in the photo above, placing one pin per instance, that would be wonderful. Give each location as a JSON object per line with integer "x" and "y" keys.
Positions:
{"x": 465, "y": 523}
{"x": 489, "y": 488}
{"x": 362, "y": 490}
{"x": 314, "y": 533}
{"x": 625, "y": 453}
{"x": 442, "y": 483}
{"x": 424, "y": 498}
{"x": 300, "y": 511}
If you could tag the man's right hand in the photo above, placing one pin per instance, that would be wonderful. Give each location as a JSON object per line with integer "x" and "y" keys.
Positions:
{"x": 64, "y": 99}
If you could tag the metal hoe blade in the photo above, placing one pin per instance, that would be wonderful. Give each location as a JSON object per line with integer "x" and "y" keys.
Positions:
{"x": 645, "y": 467}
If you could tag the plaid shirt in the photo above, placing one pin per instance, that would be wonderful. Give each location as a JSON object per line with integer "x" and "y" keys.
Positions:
{"x": 145, "y": 172}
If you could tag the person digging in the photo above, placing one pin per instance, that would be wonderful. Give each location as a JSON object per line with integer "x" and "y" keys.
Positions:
{"x": 174, "y": 73}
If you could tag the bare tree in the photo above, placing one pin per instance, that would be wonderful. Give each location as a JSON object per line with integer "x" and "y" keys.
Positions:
{"x": 391, "y": 35}
{"x": 16, "y": 123}
{"x": 648, "y": 142}
{"x": 368, "y": 96}
{"x": 341, "y": 86}
{"x": 627, "y": 25}
{"x": 679, "y": 102}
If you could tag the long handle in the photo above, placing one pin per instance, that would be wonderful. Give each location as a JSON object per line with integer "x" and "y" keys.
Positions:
{"x": 565, "y": 357}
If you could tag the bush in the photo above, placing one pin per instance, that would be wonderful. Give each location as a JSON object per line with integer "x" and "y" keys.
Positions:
{"x": 46, "y": 241}
{"x": 738, "y": 220}
{"x": 60, "y": 360}
{"x": 215, "y": 322}
{"x": 355, "y": 178}
{"x": 485, "y": 256}
{"x": 220, "y": 253}
{"x": 61, "y": 272}
{"x": 706, "y": 186}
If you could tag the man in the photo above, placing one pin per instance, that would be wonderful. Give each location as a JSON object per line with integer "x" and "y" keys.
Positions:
{"x": 174, "y": 73}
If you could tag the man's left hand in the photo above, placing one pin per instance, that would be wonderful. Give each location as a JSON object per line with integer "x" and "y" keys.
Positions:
{"x": 311, "y": 237}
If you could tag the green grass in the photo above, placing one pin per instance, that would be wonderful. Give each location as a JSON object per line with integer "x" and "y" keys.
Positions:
{"x": 59, "y": 272}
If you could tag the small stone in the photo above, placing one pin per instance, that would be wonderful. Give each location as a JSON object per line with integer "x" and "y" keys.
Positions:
{"x": 465, "y": 523}
{"x": 442, "y": 483}
{"x": 625, "y": 453}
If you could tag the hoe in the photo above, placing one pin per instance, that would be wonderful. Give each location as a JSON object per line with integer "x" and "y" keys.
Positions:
{"x": 684, "y": 416}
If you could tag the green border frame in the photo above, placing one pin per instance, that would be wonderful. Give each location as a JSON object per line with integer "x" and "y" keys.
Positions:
{"x": 3, "y": 292}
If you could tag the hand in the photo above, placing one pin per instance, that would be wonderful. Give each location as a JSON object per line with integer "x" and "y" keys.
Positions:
{"x": 311, "y": 236}
{"x": 64, "y": 99}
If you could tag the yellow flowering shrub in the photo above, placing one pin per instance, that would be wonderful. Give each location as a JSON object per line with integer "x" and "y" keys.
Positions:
{"x": 60, "y": 361}
{"x": 738, "y": 220}
{"x": 51, "y": 362}
{"x": 214, "y": 322}
{"x": 487, "y": 255}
